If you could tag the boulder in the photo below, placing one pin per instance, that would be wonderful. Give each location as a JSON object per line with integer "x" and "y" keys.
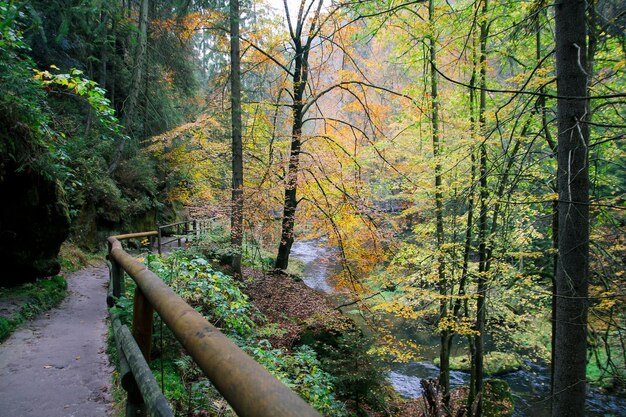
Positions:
{"x": 498, "y": 399}
{"x": 34, "y": 221}
{"x": 495, "y": 363}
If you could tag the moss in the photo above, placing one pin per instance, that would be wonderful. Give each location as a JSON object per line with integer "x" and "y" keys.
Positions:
{"x": 609, "y": 378}
{"x": 6, "y": 327}
{"x": 29, "y": 300}
{"x": 496, "y": 363}
{"x": 73, "y": 258}
{"x": 498, "y": 399}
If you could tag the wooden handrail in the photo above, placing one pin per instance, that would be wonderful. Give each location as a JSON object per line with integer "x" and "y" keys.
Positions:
{"x": 186, "y": 232}
{"x": 250, "y": 389}
{"x": 163, "y": 226}
{"x": 136, "y": 235}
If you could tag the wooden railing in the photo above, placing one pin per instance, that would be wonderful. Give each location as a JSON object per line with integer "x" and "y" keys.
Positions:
{"x": 176, "y": 232}
{"x": 245, "y": 384}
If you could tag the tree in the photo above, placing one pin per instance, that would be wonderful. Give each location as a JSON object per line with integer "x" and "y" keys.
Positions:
{"x": 444, "y": 357}
{"x": 300, "y": 83}
{"x": 483, "y": 253}
{"x": 573, "y": 210}
{"x": 236, "y": 218}
{"x": 139, "y": 64}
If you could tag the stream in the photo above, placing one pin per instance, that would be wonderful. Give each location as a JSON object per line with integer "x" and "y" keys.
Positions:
{"x": 530, "y": 386}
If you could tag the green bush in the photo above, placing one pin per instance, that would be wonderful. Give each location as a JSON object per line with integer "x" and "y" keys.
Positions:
{"x": 216, "y": 295}
{"x": 604, "y": 371}
{"x": 498, "y": 399}
{"x": 356, "y": 376}
{"x": 25, "y": 135}
{"x": 219, "y": 297}
{"x": 301, "y": 371}
{"x": 5, "y": 328}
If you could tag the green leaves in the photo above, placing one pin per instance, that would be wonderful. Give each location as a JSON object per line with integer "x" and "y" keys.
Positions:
{"x": 302, "y": 372}
{"x": 86, "y": 88}
{"x": 10, "y": 34}
{"x": 219, "y": 297}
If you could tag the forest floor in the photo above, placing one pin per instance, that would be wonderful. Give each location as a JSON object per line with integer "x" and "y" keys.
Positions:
{"x": 57, "y": 364}
{"x": 287, "y": 302}
{"x": 296, "y": 307}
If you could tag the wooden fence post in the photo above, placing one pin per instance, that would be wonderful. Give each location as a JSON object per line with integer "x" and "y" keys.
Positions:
{"x": 142, "y": 332}
{"x": 159, "y": 238}
{"x": 117, "y": 277}
{"x": 142, "y": 323}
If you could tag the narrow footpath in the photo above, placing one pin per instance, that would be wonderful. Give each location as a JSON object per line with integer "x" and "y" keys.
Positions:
{"x": 56, "y": 365}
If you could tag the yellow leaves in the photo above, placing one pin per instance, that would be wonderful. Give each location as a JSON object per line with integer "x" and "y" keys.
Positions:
{"x": 192, "y": 156}
{"x": 399, "y": 350}
{"x": 605, "y": 299}
{"x": 398, "y": 309}
{"x": 551, "y": 197}
{"x": 528, "y": 255}
{"x": 619, "y": 65}
{"x": 607, "y": 303}
{"x": 168, "y": 78}
{"x": 532, "y": 80}
{"x": 463, "y": 326}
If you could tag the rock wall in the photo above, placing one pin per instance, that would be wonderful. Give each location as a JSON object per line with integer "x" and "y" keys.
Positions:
{"x": 34, "y": 221}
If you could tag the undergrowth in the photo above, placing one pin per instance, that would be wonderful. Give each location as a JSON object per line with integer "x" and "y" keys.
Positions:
{"x": 73, "y": 258}
{"x": 214, "y": 244}
{"x": 219, "y": 297}
{"x": 26, "y": 301}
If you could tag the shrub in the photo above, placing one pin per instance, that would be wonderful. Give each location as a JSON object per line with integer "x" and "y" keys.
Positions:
{"x": 220, "y": 299}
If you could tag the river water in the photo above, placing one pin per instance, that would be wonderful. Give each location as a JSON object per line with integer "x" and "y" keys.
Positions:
{"x": 530, "y": 386}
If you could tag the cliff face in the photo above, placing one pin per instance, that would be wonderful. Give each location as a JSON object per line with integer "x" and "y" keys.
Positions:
{"x": 34, "y": 221}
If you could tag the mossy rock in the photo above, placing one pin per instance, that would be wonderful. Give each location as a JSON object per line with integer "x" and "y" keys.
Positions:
{"x": 25, "y": 302}
{"x": 325, "y": 329}
{"x": 34, "y": 221}
{"x": 496, "y": 363}
{"x": 498, "y": 399}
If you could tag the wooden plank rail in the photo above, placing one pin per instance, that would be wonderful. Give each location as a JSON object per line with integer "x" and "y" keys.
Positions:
{"x": 246, "y": 385}
{"x": 181, "y": 229}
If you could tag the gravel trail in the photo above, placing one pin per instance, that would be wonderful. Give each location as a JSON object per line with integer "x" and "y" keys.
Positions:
{"x": 56, "y": 365}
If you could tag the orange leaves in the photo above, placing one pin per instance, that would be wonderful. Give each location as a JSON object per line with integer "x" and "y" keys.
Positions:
{"x": 187, "y": 26}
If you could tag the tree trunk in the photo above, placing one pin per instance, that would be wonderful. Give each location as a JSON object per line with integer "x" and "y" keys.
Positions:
{"x": 130, "y": 107}
{"x": 300, "y": 78}
{"x": 481, "y": 288}
{"x": 471, "y": 394}
{"x": 236, "y": 216}
{"x": 291, "y": 202}
{"x": 444, "y": 352}
{"x": 541, "y": 104}
{"x": 573, "y": 187}
{"x": 104, "y": 50}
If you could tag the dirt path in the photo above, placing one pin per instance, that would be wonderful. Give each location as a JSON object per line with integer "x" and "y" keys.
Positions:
{"x": 56, "y": 366}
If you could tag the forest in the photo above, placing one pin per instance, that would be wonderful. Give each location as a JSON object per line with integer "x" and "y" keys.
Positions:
{"x": 448, "y": 176}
